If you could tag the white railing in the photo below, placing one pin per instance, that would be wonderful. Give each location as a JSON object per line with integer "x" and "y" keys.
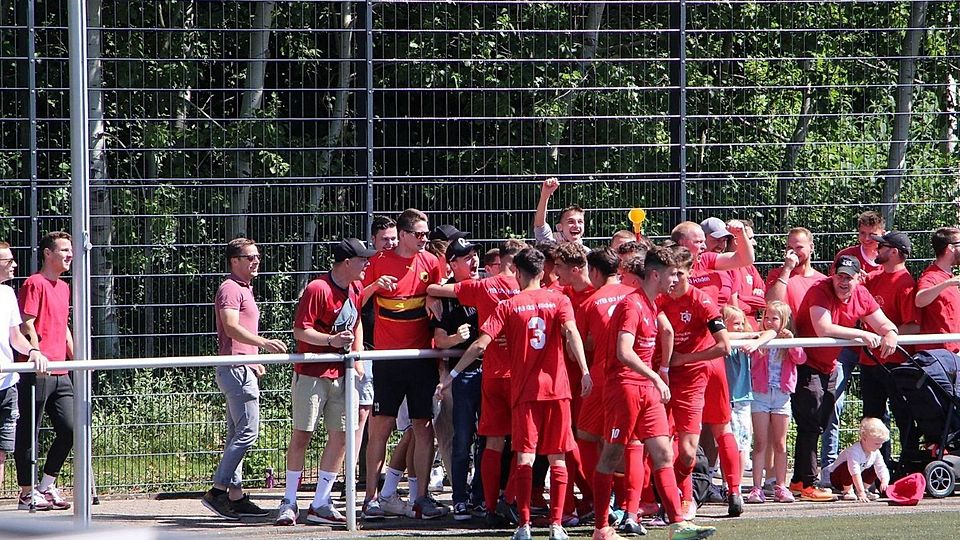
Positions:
{"x": 83, "y": 493}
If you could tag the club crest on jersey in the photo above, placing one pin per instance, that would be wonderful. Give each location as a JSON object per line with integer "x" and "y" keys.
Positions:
{"x": 686, "y": 316}
{"x": 424, "y": 277}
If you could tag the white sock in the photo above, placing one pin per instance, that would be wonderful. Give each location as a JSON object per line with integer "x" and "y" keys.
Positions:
{"x": 293, "y": 482}
{"x": 46, "y": 482}
{"x": 413, "y": 484}
{"x": 390, "y": 483}
{"x": 324, "y": 486}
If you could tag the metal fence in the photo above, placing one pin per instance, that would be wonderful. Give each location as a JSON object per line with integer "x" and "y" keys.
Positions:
{"x": 293, "y": 122}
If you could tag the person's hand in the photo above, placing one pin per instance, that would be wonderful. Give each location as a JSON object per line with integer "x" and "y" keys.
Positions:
{"x": 445, "y": 381}
{"x": 883, "y": 486}
{"x": 790, "y": 260}
{"x": 386, "y": 283}
{"x": 586, "y": 384}
{"x": 274, "y": 346}
{"x": 434, "y": 307}
{"x": 464, "y": 331}
{"x": 550, "y": 185}
{"x": 40, "y": 361}
{"x": 258, "y": 369}
{"x": 862, "y": 497}
{"x": 888, "y": 344}
{"x": 869, "y": 339}
{"x": 665, "y": 377}
{"x": 750, "y": 346}
{"x": 736, "y": 228}
{"x": 786, "y": 333}
{"x": 342, "y": 340}
{"x": 663, "y": 388}
{"x": 358, "y": 370}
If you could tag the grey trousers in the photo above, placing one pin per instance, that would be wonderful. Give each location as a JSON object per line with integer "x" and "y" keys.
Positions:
{"x": 241, "y": 389}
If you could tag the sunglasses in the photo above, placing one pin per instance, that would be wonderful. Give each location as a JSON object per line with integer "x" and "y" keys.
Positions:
{"x": 6, "y": 260}
{"x": 419, "y": 234}
{"x": 250, "y": 258}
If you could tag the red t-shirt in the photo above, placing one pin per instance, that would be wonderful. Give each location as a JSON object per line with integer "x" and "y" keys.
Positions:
{"x": 485, "y": 295}
{"x": 637, "y": 316}
{"x": 750, "y": 289}
{"x": 856, "y": 251}
{"x": 594, "y": 320}
{"x": 238, "y": 296}
{"x": 942, "y": 316}
{"x": 326, "y": 308}
{"x": 689, "y": 315}
{"x": 577, "y": 298}
{"x": 861, "y": 304}
{"x": 797, "y": 286}
{"x": 706, "y": 261}
{"x": 49, "y": 302}
{"x": 895, "y": 295}
{"x": 401, "y": 314}
{"x": 532, "y": 322}
{"x": 717, "y": 284}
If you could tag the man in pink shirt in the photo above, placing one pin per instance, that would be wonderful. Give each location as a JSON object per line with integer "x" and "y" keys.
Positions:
{"x": 937, "y": 295}
{"x": 790, "y": 282}
{"x": 237, "y": 319}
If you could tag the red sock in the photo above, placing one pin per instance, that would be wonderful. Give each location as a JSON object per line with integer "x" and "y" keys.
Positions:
{"x": 510, "y": 490}
{"x": 490, "y": 477}
{"x": 730, "y": 461}
{"x": 683, "y": 478}
{"x": 523, "y": 482}
{"x": 634, "y": 477}
{"x": 589, "y": 456}
{"x": 602, "y": 486}
{"x": 667, "y": 486}
{"x": 577, "y": 473}
{"x": 619, "y": 490}
{"x": 647, "y": 494}
{"x": 558, "y": 486}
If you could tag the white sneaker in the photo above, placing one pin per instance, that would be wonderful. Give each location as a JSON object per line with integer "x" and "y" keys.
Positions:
{"x": 39, "y": 501}
{"x": 557, "y": 533}
{"x": 394, "y": 506}
{"x": 522, "y": 533}
{"x": 287, "y": 514}
{"x": 436, "y": 480}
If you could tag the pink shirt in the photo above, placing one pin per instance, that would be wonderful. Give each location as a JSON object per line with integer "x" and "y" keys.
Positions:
{"x": 49, "y": 302}
{"x": 760, "y": 366}
{"x": 236, "y": 295}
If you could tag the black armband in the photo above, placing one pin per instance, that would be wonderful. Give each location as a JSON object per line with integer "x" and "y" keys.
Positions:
{"x": 716, "y": 325}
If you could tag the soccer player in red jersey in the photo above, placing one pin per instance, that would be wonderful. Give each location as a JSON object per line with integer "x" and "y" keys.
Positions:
{"x": 635, "y": 395}
{"x": 401, "y": 276}
{"x": 869, "y": 225}
{"x": 495, "y": 405}
{"x": 537, "y": 323}
{"x": 697, "y": 379}
{"x": 938, "y": 297}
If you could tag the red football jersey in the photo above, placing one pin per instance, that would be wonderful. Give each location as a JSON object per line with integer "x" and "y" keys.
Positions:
{"x": 485, "y": 295}
{"x": 401, "y": 315}
{"x": 635, "y": 315}
{"x": 532, "y": 322}
{"x": 942, "y": 316}
{"x": 717, "y": 284}
{"x": 861, "y": 303}
{"x": 594, "y": 321}
{"x": 327, "y": 308}
{"x": 689, "y": 315}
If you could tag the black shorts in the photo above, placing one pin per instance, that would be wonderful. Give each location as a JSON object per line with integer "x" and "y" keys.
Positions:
{"x": 415, "y": 380}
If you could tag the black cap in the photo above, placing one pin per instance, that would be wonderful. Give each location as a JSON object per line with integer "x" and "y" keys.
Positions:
{"x": 895, "y": 239}
{"x": 351, "y": 247}
{"x": 848, "y": 265}
{"x": 459, "y": 246}
{"x": 443, "y": 232}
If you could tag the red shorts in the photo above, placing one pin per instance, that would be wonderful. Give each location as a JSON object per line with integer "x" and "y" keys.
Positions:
{"x": 542, "y": 427}
{"x": 590, "y": 419}
{"x": 495, "y": 409}
{"x": 634, "y": 413}
{"x": 699, "y": 395}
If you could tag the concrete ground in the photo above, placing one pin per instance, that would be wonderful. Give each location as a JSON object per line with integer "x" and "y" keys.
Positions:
{"x": 161, "y": 518}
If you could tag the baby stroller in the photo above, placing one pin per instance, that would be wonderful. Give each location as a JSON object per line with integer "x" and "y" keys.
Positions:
{"x": 928, "y": 414}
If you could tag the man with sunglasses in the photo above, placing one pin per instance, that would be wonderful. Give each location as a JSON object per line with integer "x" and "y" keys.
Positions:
{"x": 237, "y": 320}
{"x": 400, "y": 277}
{"x": 938, "y": 297}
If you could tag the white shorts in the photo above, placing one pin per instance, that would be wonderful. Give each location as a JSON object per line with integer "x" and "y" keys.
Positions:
{"x": 741, "y": 424}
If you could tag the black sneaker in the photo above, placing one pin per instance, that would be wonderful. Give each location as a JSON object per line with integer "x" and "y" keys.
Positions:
{"x": 508, "y": 511}
{"x": 219, "y": 505}
{"x": 734, "y": 504}
{"x": 461, "y": 512}
{"x": 244, "y": 507}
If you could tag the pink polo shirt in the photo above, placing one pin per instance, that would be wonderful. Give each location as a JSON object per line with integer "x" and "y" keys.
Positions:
{"x": 237, "y": 295}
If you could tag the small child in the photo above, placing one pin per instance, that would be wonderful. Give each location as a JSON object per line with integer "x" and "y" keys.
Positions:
{"x": 737, "y": 365}
{"x": 862, "y": 464}
{"x": 774, "y": 378}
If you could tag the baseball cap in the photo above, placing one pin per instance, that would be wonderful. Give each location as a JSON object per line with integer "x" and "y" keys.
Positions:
{"x": 443, "y": 232}
{"x": 715, "y": 227}
{"x": 351, "y": 247}
{"x": 459, "y": 246}
{"x": 907, "y": 491}
{"x": 895, "y": 239}
{"x": 848, "y": 265}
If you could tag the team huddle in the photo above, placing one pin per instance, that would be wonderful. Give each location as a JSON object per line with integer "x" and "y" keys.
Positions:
{"x": 605, "y": 370}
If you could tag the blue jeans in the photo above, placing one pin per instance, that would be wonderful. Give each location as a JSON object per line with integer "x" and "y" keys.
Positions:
{"x": 241, "y": 389}
{"x": 466, "y": 414}
{"x": 830, "y": 440}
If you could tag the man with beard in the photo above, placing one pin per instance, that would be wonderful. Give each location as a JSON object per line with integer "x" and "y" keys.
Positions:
{"x": 937, "y": 295}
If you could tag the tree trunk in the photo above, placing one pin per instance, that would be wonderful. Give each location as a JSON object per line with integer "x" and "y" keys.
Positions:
{"x": 950, "y": 96}
{"x": 896, "y": 159}
{"x": 788, "y": 169}
{"x": 250, "y": 103}
{"x": 334, "y": 136}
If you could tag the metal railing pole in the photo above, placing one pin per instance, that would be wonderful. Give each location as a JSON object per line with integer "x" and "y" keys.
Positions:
{"x": 80, "y": 173}
{"x": 350, "y": 466}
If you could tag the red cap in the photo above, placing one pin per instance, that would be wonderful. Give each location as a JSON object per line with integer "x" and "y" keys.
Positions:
{"x": 907, "y": 491}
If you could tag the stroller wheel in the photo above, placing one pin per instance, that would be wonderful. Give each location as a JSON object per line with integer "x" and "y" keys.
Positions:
{"x": 940, "y": 479}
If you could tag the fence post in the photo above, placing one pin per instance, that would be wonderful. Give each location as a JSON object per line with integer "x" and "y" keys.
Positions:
{"x": 350, "y": 466}
{"x": 678, "y": 101}
{"x": 367, "y": 101}
{"x": 80, "y": 173}
{"x": 32, "y": 131}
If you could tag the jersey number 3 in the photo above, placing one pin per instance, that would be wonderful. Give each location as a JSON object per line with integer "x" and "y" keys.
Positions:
{"x": 539, "y": 327}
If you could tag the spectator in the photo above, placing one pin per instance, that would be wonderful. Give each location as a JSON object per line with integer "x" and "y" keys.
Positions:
{"x": 237, "y": 318}
{"x": 790, "y": 282}
{"x": 862, "y": 464}
{"x": 571, "y": 225}
{"x": 326, "y": 321}
{"x": 748, "y": 285}
{"x": 621, "y": 237}
{"x": 716, "y": 235}
{"x": 869, "y": 225}
{"x": 491, "y": 262}
{"x": 937, "y": 295}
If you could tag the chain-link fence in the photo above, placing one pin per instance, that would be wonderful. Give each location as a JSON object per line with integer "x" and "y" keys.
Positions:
{"x": 293, "y": 122}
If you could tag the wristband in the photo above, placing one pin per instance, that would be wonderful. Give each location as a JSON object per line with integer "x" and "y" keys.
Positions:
{"x": 781, "y": 280}
{"x": 31, "y": 351}
{"x": 454, "y": 373}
